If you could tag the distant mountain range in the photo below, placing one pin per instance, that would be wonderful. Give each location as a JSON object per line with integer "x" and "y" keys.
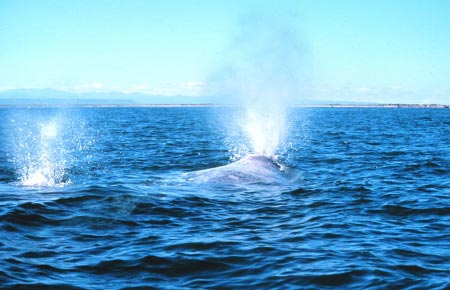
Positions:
{"x": 55, "y": 97}
{"x": 50, "y": 97}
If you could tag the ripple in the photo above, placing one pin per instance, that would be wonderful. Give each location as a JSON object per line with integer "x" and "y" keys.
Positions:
{"x": 368, "y": 208}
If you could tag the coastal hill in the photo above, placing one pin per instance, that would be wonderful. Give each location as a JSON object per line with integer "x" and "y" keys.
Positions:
{"x": 50, "y": 97}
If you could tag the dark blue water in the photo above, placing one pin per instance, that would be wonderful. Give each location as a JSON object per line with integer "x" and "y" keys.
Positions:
{"x": 105, "y": 198}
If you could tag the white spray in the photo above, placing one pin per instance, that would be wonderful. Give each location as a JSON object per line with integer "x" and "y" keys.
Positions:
{"x": 44, "y": 145}
{"x": 263, "y": 76}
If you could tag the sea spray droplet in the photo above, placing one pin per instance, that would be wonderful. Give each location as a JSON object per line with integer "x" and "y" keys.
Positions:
{"x": 43, "y": 154}
{"x": 49, "y": 130}
{"x": 262, "y": 72}
{"x": 45, "y": 144}
{"x": 265, "y": 131}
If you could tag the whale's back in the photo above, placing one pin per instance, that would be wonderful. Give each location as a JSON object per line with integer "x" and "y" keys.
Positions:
{"x": 250, "y": 169}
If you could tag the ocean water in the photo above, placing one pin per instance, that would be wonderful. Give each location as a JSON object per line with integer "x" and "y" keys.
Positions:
{"x": 173, "y": 198}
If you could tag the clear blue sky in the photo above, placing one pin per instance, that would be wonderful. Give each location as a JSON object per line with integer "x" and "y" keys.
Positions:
{"x": 373, "y": 50}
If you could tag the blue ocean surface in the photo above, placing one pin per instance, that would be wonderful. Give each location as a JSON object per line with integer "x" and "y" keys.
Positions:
{"x": 174, "y": 198}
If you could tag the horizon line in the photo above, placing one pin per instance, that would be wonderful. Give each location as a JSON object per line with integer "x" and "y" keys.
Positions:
{"x": 189, "y": 105}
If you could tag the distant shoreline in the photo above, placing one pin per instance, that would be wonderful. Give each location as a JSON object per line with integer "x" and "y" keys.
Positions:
{"x": 437, "y": 106}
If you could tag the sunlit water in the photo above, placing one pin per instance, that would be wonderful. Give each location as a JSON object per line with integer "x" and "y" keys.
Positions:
{"x": 114, "y": 198}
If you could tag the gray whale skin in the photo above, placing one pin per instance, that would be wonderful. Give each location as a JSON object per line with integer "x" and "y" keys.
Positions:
{"x": 250, "y": 169}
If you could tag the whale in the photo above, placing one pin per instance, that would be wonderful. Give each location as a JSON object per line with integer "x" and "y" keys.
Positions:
{"x": 252, "y": 169}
